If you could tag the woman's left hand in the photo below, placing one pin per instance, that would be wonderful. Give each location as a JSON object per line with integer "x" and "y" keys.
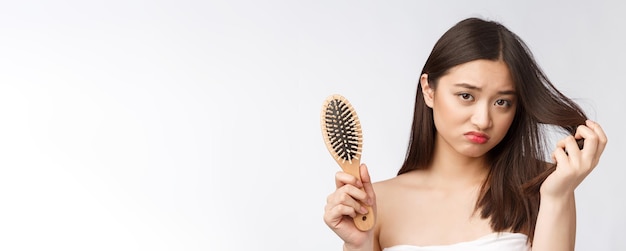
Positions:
{"x": 574, "y": 164}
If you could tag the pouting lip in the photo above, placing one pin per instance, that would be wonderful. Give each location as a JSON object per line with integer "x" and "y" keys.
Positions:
{"x": 478, "y": 134}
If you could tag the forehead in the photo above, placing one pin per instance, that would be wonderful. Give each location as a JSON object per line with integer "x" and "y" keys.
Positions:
{"x": 484, "y": 74}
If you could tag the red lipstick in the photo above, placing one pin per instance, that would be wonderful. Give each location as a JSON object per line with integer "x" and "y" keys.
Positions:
{"x": 477, "y": 137}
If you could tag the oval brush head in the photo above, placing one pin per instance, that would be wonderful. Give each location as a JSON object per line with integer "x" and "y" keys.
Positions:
{"x": 341, "y": 130}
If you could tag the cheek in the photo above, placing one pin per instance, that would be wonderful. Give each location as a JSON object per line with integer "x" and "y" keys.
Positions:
{"x": 505, "y": 122}
{"x": 449, "y": 109}
{"x": 447, "y": 113}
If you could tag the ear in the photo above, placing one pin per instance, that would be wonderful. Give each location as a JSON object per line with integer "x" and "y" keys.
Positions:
{"x": 429, "y": 93}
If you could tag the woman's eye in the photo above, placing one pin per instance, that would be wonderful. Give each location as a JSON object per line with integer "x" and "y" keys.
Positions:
{"x": 466, "y": 96}
{"x": 502, "y": 102}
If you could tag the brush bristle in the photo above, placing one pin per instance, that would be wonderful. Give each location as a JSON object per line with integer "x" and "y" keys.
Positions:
{"x": 343, "y": 130}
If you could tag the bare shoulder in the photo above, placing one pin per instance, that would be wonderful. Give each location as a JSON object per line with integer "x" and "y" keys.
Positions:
{"x": 390, "y": 185}
{"x": 405, "y": 179}
{"x": 396, "y": 200}
{"x": 387, "y": 191}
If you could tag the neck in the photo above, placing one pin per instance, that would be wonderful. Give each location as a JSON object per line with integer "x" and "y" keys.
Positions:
{"x": 454, "y": 168}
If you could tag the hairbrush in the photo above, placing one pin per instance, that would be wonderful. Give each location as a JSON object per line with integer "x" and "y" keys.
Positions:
{"x": 342, "y": 134}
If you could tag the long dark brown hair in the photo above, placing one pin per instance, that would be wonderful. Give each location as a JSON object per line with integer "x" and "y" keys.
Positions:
{"x": 510, "y": 193}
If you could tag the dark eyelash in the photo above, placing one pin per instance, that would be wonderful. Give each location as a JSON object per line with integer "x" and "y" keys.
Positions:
{"x": 508, "y": 103}
{"x": 465, "y": 95}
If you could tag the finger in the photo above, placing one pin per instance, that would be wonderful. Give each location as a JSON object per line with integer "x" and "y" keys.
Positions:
{"x": 350, "y": 196}
{"x": 343, "y": 178}
{"x": 571, "y": 149}
{"x": 367, "y": 185}
{"x": 335, "y": 214}
{"x": 560, "y": 157}
{"x": 602, "y": 139}
{"x": 354, "y": 192}
{"x": 591, "y": 141}
{"x": 345, "y": 200}
{"x": 348, "y": 189}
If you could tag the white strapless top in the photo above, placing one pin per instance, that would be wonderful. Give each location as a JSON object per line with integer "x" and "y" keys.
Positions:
{"x": 491, "y": 242}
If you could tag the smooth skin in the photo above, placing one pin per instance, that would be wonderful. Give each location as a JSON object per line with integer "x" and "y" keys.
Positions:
{"x": 435, "y": 206}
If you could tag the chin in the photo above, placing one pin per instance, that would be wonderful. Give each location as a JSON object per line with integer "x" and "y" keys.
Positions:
{"x": 473, "y": 152}
{"x": 475, "y": 155}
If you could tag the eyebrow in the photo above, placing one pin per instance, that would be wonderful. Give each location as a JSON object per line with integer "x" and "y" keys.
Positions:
{"x": 472, "y": 87}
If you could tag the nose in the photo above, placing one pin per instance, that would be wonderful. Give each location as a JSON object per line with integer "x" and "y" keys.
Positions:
{"x": 481, "y": 117}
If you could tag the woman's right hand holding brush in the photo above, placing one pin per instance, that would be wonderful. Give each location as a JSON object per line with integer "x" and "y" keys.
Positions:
{"x": 342, "y": 205}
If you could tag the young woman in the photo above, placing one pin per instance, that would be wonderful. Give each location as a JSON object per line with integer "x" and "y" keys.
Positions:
{"x": 475, "y": 176}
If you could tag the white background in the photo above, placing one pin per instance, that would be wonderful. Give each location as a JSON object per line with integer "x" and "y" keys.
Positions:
{"x": 194, "y": 125}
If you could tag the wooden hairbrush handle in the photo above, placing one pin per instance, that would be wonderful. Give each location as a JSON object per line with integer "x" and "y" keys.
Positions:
{"x": 363, "y": 222}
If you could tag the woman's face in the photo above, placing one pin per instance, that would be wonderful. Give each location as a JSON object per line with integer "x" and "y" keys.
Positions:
{"x": 473, "y": 106}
